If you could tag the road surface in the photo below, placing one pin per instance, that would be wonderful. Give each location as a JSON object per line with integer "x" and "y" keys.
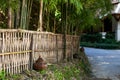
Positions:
{"x": 105, "y": 63}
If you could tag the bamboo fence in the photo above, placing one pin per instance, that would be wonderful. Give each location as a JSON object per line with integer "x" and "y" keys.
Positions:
{"x": 19, "y": 49}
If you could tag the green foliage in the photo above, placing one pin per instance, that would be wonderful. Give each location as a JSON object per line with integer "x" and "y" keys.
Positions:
{"x": 57, "y": 14}
{"x": 67, "y": 71}
{"x": 94, "y": 37}
{"x": 85, "y": 67}
{"x": 2, "y": 75}
{"x": 14, "y": 4}
{"x": 11, "y": 3}
{"x": 91, "y": 13}
{"x": 16, "y": 77}
{"x": 3, "y": 25}
{"x": 58, "y": 75}
{"x": 95, "y": 40}
{"x": 43, "y": 72}
{"x": 101, "y": 45}
{"x": 72, "y": 71}
{"x": 80, "y": 14}
{"x": 110, "y": 35}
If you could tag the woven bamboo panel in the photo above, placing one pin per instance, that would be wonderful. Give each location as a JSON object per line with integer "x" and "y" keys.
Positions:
{"x": 19, "y": 49}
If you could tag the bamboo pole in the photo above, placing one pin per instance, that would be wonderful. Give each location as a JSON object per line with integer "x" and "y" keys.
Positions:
{"x": 56, "y": 48}
{"x": 32, "y": 53}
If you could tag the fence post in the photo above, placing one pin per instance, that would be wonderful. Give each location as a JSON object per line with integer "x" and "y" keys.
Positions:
{"x": 56, "y": 48}
{"x": 78, "y": 47}
{"x": 3, "y": 47}
{"x": 3, "y": 42}
{"x": 64, "y": 46}
{"x": 72, "y": 48}
{"x": 31, "y": 53}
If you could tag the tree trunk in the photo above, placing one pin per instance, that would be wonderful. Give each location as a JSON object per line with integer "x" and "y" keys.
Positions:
{"x": 29, "y": 7}
{"x": 10, "y": 17}
{"x": 40, "y": 17}
{"x": 54, "y": 30}
{"x": 64, "y": 26}
{"x": 48, "y": 21}
{"x": 26, "y": 7}
{"x": 23, "y": 14}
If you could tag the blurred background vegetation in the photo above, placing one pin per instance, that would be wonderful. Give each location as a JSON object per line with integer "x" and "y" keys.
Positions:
{"x": 58, "y": 16}
{"x": 96, "y": 40}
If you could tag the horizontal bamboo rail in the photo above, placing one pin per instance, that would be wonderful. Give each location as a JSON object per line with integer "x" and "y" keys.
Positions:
{"x": 21, "y": 52}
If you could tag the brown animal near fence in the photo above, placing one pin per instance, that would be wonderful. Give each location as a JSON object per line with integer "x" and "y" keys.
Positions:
{"x": 39, "y": 64}
{"x": 19, "y": 49}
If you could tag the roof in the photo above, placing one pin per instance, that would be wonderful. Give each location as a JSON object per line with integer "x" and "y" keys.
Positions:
{"x": 116, "y": 9}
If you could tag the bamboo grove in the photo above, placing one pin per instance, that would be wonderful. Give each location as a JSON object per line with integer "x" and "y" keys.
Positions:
{"x": 58, "y": 16}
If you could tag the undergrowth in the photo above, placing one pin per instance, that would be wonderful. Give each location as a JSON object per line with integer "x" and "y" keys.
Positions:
{"x": 71, "y": 70}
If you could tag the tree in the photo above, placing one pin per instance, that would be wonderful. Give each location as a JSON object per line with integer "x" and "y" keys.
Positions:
{"x": 40, "y": 28}
{"x": 92, "y": 10}
{"x": 74, "y": 15}
{"x": 25, "y": 13}
{"x": 11, "y": 6}
{"x": 18, "y": 12}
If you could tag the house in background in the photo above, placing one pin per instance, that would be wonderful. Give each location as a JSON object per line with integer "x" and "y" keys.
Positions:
{"x": 110, "y": 24}
{"x": 116, "y": 18}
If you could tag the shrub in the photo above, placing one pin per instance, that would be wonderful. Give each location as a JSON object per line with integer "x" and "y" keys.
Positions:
{"x": 2, "y": 75}
{"x": 101, "y": 45}
{"x": 110, "y": 35}
{"x": 95, "y": 40}
{"x": 94, "y": 37}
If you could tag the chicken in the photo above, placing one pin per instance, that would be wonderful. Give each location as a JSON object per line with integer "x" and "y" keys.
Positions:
{"x": 39, "y": 64}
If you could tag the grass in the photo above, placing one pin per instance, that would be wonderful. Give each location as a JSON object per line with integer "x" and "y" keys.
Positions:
{"x": 2, "y": 75}
{"x": 71, "y": 70}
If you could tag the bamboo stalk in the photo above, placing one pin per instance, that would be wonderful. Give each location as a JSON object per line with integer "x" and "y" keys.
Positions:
{"x": 21, "y": 52}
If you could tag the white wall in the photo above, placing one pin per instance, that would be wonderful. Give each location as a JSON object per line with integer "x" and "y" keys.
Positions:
{"x": 118, "y": 31}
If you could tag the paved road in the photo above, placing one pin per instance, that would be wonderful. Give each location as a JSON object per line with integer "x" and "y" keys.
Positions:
{"x": 105, "y": 63}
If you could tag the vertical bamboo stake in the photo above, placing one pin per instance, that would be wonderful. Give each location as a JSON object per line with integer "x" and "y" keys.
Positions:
{"x": 0, "y": 62}
{"x": 12, "y": 56}
{"x": 6, "y": 43}
{"x": 23, "y": 34}
{"x": 26, "y": 48}
{"x": 10, "y": 48}
{"x": 38, "y": 42}
{"x": 71, "y": 48}
{"x": 0, "y": 42}
{"x": 27, "y": 56}
{"x": 15, "y": 55}
{"x": 3, "y": 45}
{"x": 18, "y": 55}
{"x": 11, "y": 41}
{"x": 3, "y": 62}
{"x": 49, "y": 45}
{"x": 32, "y": 53}
{"x": 3, "y": 42}
{"x": 23, "y": 46}
{"x": 56, "y": 48}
